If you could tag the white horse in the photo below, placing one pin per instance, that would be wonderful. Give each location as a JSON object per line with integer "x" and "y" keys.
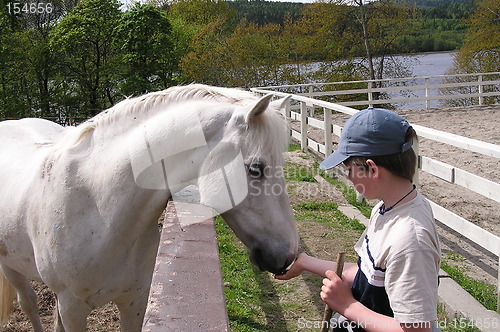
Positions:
{"x": 80, "y": 205}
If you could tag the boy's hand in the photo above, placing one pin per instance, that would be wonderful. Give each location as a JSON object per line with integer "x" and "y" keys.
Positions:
{"x": 336, "y": 293}
{"x": 295, "y": 270}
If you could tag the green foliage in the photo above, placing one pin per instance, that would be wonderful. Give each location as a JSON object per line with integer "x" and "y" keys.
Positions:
{"x": 83, "y": 43}
{"x": 331, "y": 212}
{"x": 295, "y": 172}
{"x": 69, "y": 64}
{"x": 144, "y": 35}
{"x": 263, "y": 12}
{"x": 480, "y": 52}
{"x": 349, "y": 193}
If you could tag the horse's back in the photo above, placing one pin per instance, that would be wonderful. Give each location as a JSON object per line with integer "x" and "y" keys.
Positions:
{"x": 23, "y": 146}
{"x": 29, "y": 131}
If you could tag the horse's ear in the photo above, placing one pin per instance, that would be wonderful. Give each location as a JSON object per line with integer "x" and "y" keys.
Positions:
{"x": 258, "y": 108}
{"x": 280, "y": 103}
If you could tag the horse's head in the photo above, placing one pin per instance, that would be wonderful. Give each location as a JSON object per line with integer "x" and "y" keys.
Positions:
{"x": 242, "y": 178}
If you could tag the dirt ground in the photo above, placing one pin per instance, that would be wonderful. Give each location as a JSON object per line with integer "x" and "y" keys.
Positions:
{"x": 477, "y": 123}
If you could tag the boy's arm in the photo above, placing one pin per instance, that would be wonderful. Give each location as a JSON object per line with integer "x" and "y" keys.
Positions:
{"x": 338, "y": 295}
{"x": 318, "y": 266}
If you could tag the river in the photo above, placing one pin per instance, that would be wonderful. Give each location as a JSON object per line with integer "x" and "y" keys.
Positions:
{"x": 429, "y": 64}
{"x": 425, "y": 65}
{"x": 432, "y": 64}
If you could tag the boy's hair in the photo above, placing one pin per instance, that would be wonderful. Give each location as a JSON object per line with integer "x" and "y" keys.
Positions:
{"x": 402, "y": 164}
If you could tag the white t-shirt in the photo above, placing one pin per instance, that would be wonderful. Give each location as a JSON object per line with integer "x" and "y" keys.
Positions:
{"x": 399, "y": 259}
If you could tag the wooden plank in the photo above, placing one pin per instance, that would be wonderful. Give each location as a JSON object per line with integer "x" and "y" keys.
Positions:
{"x": 478, "y": 184}
{"x": 462, "y": 178}
{"x": 471, "y": 231}
{"x": 315, "y": 123}
{"x": 437, "y": 168}
{"x": 303, "y": 126}
{"x": 337, "y": 130}
{"x": 466, "y": 143}
{"x": 327, "y": 130}
{"x": 296, "y": 135}
{"x": 316, "y": 146}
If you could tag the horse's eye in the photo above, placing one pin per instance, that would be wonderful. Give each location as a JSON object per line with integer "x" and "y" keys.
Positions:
{"x": 256, "y": 169}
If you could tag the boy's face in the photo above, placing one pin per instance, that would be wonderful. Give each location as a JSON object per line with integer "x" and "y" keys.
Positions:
{"x": 361, "y": 177}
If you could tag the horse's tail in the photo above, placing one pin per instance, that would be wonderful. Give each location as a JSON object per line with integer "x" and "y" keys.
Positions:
{"x": 7, "y": 297}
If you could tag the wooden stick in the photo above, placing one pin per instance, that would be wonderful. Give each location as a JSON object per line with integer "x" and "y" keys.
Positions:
{"x": 327, "y": 315}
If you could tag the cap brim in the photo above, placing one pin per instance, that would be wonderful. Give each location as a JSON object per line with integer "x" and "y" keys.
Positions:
{"x": 332, "y": 160}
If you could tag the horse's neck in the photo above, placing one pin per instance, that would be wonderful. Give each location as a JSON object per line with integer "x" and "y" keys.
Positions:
{"x": 164, "y": 152}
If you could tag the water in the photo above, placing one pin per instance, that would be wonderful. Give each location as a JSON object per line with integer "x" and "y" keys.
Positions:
{"x": 425, "y": 65}
{"x": 422, "y": 65}
{"x": 432, "y": 64}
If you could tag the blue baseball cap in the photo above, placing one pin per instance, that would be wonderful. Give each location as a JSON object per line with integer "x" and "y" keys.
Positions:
{"x": 369, "y": 133}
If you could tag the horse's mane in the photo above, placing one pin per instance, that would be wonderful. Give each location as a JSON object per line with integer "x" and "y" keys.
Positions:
{"x": 152, "y": 101}
{"x": 267, "y": 131}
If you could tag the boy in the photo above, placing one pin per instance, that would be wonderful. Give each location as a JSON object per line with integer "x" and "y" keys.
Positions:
{"x": 393, "y": 286}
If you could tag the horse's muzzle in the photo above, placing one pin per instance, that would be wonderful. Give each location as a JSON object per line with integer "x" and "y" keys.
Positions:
{"x": 272, "y": 262}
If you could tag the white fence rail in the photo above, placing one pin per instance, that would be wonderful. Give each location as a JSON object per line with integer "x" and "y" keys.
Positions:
{"x": 471, "y": 88}
{"x": 451, "y": 174}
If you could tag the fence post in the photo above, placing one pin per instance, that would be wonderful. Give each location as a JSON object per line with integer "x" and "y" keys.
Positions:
{"x": 288, "y": 122}
{"x": 303, "y": 126}
{"x": 327, "y": 116}
{"x": 418, "y": 166}
{"x": 310, "y": 91}
{"x": 480, "y": 85}
{"x": 427, "y": 102}
{"x": 370, "y": 92}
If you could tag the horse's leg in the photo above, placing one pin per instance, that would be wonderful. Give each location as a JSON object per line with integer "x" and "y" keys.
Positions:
{"x": 72, "y": 312}
{"x": 132, "y": 312}
{"x": 58, "y": 325}
{"x": 27, "y": 296}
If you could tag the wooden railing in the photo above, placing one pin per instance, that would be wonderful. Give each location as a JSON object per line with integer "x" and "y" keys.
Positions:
{"x": 470, "y": 88}
{"x": 298, "y": 109}
{"x": 187, "y": 292}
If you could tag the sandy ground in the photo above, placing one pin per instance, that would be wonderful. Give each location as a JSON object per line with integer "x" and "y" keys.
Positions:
{"x": 478, "y": 123}
{"x": 472, "y": 122}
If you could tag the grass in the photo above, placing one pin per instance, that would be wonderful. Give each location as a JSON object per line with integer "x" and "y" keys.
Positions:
{"x": 251, "y": 300}
{"x": 298, "y": 173}
{"x": 482, "y": 291}
{"x": 328, "y": 212}
{"x": 457, "y": 324}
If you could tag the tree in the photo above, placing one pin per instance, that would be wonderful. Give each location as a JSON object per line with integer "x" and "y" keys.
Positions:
{"x": 144, "y": 35}
{"x": 359, "y": 38}
{"x": 202, "y": 12}
{"x": 28, "y": 64}
{"x": 481, "y": 50}
{"x": 204, "y": 25}
{"x": 83, "y": 41}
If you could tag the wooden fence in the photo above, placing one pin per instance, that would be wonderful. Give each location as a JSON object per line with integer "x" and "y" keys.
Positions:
{"x": 470, "y": 89}
{"x": 298, "y": 109}
{"x": 187, "y": 292}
